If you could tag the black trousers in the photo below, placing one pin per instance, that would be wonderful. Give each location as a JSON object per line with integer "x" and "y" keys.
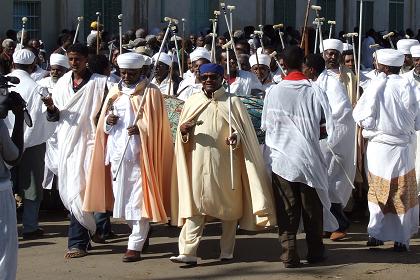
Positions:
{"x": 295, "y": 200}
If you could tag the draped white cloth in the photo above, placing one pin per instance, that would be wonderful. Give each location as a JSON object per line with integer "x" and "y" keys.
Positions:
{"x": 389, "y": 113}
{"x": 244, "y": 83}
{"x": 188, "y": 87}
{"x": 166, "y": 86}
{"x": 292, "y": 134}
{"x": 340, "y": 188}
{"x": 75, "y": 139}
{"x": 31, "y": 92}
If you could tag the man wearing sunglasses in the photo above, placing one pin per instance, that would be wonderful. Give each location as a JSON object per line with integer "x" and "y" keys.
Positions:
{"x": 205, "y": 189}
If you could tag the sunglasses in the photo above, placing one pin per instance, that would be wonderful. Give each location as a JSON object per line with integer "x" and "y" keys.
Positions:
{"x": 211, "y": 77}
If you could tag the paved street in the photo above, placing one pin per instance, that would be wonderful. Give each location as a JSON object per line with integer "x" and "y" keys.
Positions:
{"x": 256, "y": 257}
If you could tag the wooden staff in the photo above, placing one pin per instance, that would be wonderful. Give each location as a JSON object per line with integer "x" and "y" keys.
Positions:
{"x": 375, "y": 47}
{"x": 279, "y": 27}
{"x": 319, "y": 21}
{"x": 274, "y": 55}
{"x": 231, "y": 8}
{"x": 173, "y": 29}
{"x": 227, "y": 46}
{"x": 308, "y": 6}
{"x": 183, "y": 46}
{"x": 139, "y": 110}
{"x": 120, "y": 16}
{"x": 98, "y": 15}
{"x": 79, "y": 20}
{"x": 260, "y": 36}
{"x": 388, "y": 36}
{"x": 24, "y": 21}
{"x": 222, "y": 5}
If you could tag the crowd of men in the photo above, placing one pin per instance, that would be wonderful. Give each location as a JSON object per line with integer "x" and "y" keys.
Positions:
{"x": 101, "y": 131}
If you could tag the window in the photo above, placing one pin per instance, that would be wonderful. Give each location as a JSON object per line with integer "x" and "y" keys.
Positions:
{"x": 285, "y": 12}
{"x": 367, "y": 15}
{"x": 109, "y": 9}
{"x": 200, "y": 12}
{"x": 31, "y": 10}
{"x": 396, "y": 15}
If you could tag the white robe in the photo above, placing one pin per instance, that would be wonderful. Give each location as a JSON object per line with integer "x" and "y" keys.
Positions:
{"x": 340, "y": 187}
{"x": 389, "y": 113}
{"x": 75, "y": 139}
{"x": 166, "y": 86}
{"x": 292, "y": 134}
{"x": 188, "y": 87}
{"x": 127, "y": 189}
{"x": 244, "y": 83}
{"x": 39, "y": 74}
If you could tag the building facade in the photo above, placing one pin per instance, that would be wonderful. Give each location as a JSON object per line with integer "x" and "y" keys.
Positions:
{"x": 46, "y": 18}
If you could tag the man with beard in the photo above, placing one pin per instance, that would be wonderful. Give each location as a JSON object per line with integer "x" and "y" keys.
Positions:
{"x": 163, "y": 79}
{"x": 59, "y": 66}
{"x": 260, "y": 66}
{"x": 6, "y": 56}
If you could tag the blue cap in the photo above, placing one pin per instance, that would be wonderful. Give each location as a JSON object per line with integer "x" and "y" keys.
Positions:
{"x": 211, "y": 68}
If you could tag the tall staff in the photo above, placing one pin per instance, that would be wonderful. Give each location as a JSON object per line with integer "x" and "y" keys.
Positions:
{"x": 331, "y": 23}
{"x": 173, "y": 29}
{"x": 231, "y": 8}
{"x": 24, "y": 21}
{"x": 227, "y": 46}
{"x": 79, "y": 20}
{"x": 319, "y": 21}
{"x": 120, "y": 17}
{"x": 358, "y": 76}
{"x": 222, "y": 5}
{"x": 140, "y": 110}
{"x": 308, "y": 7}
{"x": 183, "y": 45}
{"x": 388, "y": 36}
{"x": 352, "y": 35}
{"x": 279, "y": 27}
{"x": 98, "y": 15}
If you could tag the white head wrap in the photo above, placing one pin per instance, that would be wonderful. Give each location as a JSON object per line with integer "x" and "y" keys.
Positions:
{"x": 404, "y": 45}
{"x": 200, "y": 52}
{"x": 390, "y": 57}
{"x": 23, "y": 57}
{"x": 164, "y": 57}
{"x": 59, "y": 59}
{"x": 333, "y": 44}
{"x": 347, "y": 47}
{"x": 415, "y": 51}
{"x": 130, "y": 61}
{"x": 262, "y": 59}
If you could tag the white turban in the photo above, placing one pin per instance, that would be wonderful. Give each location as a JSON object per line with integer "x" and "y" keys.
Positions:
{"x": 23, "y": 57}
{"x": 415, "y": 51}
{"x": 130, "y": 60}
{"x": 390, "y": 57}
{"x": 262, "y": 59}
{"x": 200, "y": 52}
{"x": 333, "y": 44}
{"x": 164, "y": 57}
{"x": 404, "y": 45}
{"x": 59, "y": 59}
{"x": 347, "y": 47}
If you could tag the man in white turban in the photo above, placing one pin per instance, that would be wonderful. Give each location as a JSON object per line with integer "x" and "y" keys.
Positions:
{"x": 404, "y": 46}
{"x": 260, "y": 66}
{"x": 163, "y": 78}
{"x": 388, "y": 112}
{"x": 59, "y": 66}
{"x": 137, "y": 193}
{"x": 193, "y": 84}
{"x": 30, "y": 171}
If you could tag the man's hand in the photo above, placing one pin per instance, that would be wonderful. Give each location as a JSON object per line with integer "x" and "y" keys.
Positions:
{"x": 185, "y": 128}
{"x": 112, "y": 119}
{"x": 232, "y": 140}
{"x": 133, "y": 130}
{"x": 48, "y": 102}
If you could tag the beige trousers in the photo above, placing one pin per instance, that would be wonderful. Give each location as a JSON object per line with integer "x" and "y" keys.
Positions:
{"x": 192, "y": 231}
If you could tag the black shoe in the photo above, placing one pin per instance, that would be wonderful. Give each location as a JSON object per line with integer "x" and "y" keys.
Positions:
{"x": 131, "y": 256}
{"x": 33, "y": 234}
{"x": 399, "y": 247}
{"x": 373, "y": 242}
{"x": 292, "y": 264}
{"x": 98, "y": 239}
{"x": 316, "y": 259}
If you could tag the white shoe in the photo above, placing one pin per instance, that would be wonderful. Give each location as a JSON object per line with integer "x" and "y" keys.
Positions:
{"x": 191, "y": 260}
{"x": 225, "y": 257}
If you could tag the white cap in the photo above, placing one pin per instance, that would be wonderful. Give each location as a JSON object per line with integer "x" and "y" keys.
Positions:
{"x": 130, "y": 61}
{"x": 404, "y": 45}
{"x": 333, "y": 44}
{"x": 347, "y": 47}
{"x": 23, "y": 57}
{"x": 415, "y": 51}
{"x": 164, "y": 57}
{"x": 262, "y": 59}
{"x": 200, "y": 52}
{"x": 390, "y": 57}
{"x": 59, "y": 59}
{"x": 147, "y": 60}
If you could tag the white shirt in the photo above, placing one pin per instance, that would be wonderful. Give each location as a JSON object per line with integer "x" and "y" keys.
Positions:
{"x": 244, "y": 83}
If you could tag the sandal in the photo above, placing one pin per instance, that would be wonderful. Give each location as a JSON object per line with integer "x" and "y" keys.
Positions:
{"x": 73, "y": 253}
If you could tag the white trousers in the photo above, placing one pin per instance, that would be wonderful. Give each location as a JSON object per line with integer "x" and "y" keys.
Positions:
{"x": 8, "y": 236}
{"x": 139, "y": 230}
{"x": 192, "y": 231}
